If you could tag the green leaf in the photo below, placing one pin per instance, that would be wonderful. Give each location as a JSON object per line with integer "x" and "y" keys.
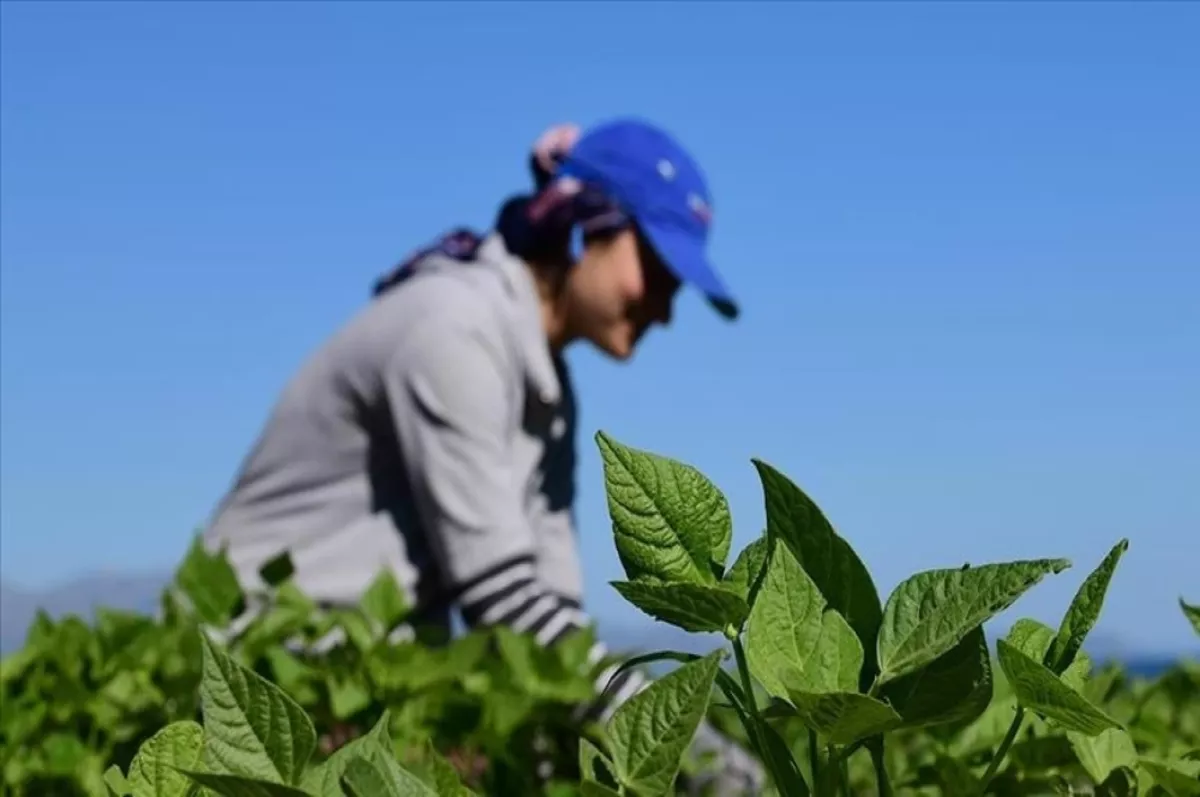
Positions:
{"x": 1041, "y": 749}
{"x": 506, "y": 710}
{"x": 650, "y": 732}
{"x": 789, "y": 780}
{"x": 1122, "y": 782}
{"x": 844, "y": 717}
{"x": 746, "y": 568}
{"x": 930, "y": 613}
{"x": 670, "y": 522}
{"x": 252, "y": 727}
{"x": 538, "y": 671}
{"x": 62, "y": 754}
{"x": 954, "y": 688}
{"x": 1060, "y": 785}
{"x": 210, "y": 585}
{"x": 828, "y": 559}
{"x": 277, "y": 570}
{"x": 294, "y": 676}
{"x": 154, "y": 771}
{"x": 116, "y": 782}
{"x": 288, "y": 614}
{"x": 1031, "y": 637}
{"x": 356, "y": 627}
{"x": 1100, "y": 755}
{"x": 594, "y": 765}
{"x": 1041, "y": 691}
{"x": 692, "y": 607}
{"x": 573, "y": 649}
{"x": 15, "y": 665}
{"x": 1192, "y": 613}
{"x": 724, "y": 680}
{"x": 1076, "y": 674}
{"x": 347, "y": 695}
{"x": 1035, "y": 639}
{"x": 794, "y": 641}
{"x": 954, "y": 776}
{"x": 384, "y": 601}
{"x": 1178, "y": 778}
{"x": 985, "y": 733}
{"x": 325, "y": 780}
{"x": 364, "y": 778}
{"x": 415, "y": 667}
{"x": 230, "y": 785}
{"x": 1085, "y": 608}
{"x": 442, "y": 776}
{"x": 590, "y": 788}
{"x": 372, "y": 777}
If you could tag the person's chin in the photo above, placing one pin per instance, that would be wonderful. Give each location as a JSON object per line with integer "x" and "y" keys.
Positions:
{"x": 621, "y": 348}
{"x": 620, "y": 353}
{"x": 620, "y": 343}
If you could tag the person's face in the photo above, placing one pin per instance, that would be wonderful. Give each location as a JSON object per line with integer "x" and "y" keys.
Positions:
{"x": 616, "y": 290}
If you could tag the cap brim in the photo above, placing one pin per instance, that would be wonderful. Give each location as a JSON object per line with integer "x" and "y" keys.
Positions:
{"x": 686, "y": 259}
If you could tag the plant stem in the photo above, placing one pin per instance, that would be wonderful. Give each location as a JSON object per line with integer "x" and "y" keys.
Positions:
{"x": 744, "y": 670}
{"x": 1002, "y": 751}
{"x": 851, "y": 749}
{"x": 751, "y": 709}
{"x": 883, "y": 784}
{"x": 784, "y": 773}
{"x": 843, "y": 770}
{"x": 814, "y": 756}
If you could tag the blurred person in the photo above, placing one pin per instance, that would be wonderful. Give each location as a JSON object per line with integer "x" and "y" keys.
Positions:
{"x": 434, "y": 434}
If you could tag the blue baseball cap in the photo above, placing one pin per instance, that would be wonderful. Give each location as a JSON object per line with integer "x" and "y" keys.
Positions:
{"x": 660, "y": 186}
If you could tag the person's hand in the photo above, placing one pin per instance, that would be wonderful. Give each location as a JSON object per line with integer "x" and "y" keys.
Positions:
{"x": 549, "y": 150}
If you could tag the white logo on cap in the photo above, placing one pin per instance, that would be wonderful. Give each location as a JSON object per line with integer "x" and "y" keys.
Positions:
{"x": 700, "y": 208}
{"x": 666, "y": 169}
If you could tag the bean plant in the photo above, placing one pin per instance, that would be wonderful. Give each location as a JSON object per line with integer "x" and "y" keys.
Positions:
{"x": 835, "y": 690}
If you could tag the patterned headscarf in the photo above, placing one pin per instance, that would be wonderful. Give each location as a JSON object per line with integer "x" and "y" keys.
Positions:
{"x": 564, "y": 201}
{"x": 536, "y": 227}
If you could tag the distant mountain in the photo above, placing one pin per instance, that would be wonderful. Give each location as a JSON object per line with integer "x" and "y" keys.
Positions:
{"x": 19, "y": 606}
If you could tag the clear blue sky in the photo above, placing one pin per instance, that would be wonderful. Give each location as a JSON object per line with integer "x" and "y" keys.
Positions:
{"x": 966, "y": 237}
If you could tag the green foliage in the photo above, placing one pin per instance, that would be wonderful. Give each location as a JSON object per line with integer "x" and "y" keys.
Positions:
{"x": 1192, "y": 613}
{"x": 835, "y": 691}
{"x": 158, "y": 767}
{"x": 825, "y": 670}
{"x": 649, "y": 733}
{"x": 931, "y": 612}
{"x": 794, "y": 641}
{"x": 80, "y": 700}
{"x": 835, "y": 569}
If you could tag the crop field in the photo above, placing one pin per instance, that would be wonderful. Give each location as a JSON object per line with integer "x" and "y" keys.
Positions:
{"x": 837, "y": 689}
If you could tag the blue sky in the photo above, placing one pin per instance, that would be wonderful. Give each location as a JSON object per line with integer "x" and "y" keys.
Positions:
{"x": 964, "y": 235}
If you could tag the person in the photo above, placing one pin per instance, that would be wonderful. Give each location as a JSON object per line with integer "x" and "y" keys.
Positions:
{"x": 434, "y": 434}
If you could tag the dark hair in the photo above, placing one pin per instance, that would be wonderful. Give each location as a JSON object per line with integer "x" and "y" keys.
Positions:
{"x": 535, "y": 227}
{"x": 538, "y": 227}
{"x": 543, "y": 241}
